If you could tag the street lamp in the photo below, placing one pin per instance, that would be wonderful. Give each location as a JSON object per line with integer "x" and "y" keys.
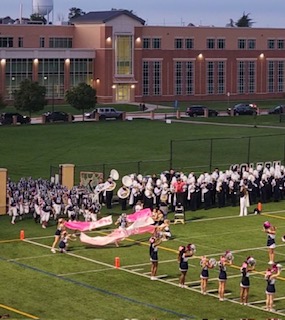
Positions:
{"x": 52, "y": 93}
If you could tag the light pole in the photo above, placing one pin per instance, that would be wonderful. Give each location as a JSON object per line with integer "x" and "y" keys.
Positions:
{"x": 228, "y": 94}
{"x": 52, "y": 93}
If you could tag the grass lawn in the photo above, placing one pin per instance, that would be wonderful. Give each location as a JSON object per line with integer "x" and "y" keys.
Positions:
{"x": 84, "y": 284}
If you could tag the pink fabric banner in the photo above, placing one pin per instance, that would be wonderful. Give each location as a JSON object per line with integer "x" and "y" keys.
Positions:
{"x": 139, "y": 215}
{"x": 88, "y": 226}
{"x": 138, "y": 227}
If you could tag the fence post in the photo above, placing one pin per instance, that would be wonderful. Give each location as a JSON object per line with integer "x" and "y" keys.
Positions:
{"x": 211, "y": 154}
{"x": 248, "y": 150}
{"x": 170, "y": 159}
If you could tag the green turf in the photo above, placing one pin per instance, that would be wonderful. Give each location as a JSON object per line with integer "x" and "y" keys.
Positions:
{"x": 84, "y": 285}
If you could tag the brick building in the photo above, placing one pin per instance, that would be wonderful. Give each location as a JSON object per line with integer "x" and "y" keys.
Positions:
{"x": 126, "y": 60}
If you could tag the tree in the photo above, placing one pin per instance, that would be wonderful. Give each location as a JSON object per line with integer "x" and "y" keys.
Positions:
{"x": 75, "y": 13}
{"x": 82, "y": 97}
{"x": 245, "y": 21}
{"x": 2, "y": 102}
{"x": 38, "y": 17}
{"x": 30, "y": 96}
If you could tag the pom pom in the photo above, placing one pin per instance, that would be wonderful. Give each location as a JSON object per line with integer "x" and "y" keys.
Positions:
{"x": 266, "y": 224}
{"x": 181, "y": 248}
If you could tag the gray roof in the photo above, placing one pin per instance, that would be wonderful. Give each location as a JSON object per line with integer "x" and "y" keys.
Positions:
{"x": 98, "y": 17}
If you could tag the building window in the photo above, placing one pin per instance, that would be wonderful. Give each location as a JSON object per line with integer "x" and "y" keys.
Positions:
{"x": 221, "y": 77}
{"x": 251, "y": 77}
{"x": 20, "y": 42}
{"x": 241, "y": 44}
{"x": 51, "y": 76}
{"x": 271, "y": 44}
{"x": 210, "y": 43}
{"x": 156, "y": 78}
{"x": 42, "y": 42}
{"x": 156, "y": 43}
{"x": 145, "y": 78}
{"x": 178, "y": 78}
{"x": 221, "y": 44}
{"x": 271, "y": 76}
{"x": 124, "y": 55}
{"x": 241, "y": 77}
{"x": 280, "y": 44}
{"x": 251, "y": 44}
{"x": 280, "y": 79}
{"x": 81, "y": 70}
{"x": 146, "y": 43}
{"x": 189, "y": 77}
{"x": 60, "y": 42}
{"x": 178, "y": 43}
{"x": 210, "y": 77}
{"x": 16, "y": 71}
{"x": 6, "y": 42}
{"x": 189, "y": 43}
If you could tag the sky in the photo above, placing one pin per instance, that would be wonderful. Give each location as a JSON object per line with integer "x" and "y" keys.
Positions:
{"x": 264, "y": 13}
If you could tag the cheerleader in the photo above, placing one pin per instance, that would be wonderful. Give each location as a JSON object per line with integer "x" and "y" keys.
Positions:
{"x": 206, "y": 264}
{"x": 247, "y": 266}
{"x": 270, "y": 277}
{"x": 183, "y": 255}
{"x": 271, "y": 232}
{"x": 164, "y": 230}
{"x": 60, "y": 227}
{"x": 153, "y": 253}
{"x": 223, "y": 275}
{"x": 63, "y": 243}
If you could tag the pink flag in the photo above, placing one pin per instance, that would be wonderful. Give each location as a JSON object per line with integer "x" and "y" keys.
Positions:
{"x": 140, "y": 226}
{"x": 139, "y": 215}
{"x": 88, "y": 226}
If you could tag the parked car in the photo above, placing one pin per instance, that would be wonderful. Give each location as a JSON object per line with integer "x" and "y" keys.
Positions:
{"x": 243, "y": 109}
{"x": 277, "y": 110}
{"x": 57, "y": 116}
{"x": 104, "y": 113}
{"x": 199, "y": 110}
{"x": 7, "y": 118}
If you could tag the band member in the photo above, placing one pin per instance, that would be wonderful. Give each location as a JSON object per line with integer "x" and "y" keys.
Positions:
{"x": 153, "y": 253}
{"x": 244, "y": 199}
{"x": 271, "y": 233}
{"x": 183, "y": 255}
{"x": 206, "y": 264}
{"x": 109, "y": 192}
{"x": 247, "y": 266}
{"x": 60, "y": 227}
{"x": 123, "y": 194}
{"x": 270, "y": 277}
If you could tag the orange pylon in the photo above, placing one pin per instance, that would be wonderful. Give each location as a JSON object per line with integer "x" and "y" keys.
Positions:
{"x": 22, "y": 235}
{"x": 117, "y": 262}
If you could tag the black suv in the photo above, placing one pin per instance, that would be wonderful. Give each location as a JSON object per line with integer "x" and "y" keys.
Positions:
{"x": 57, "y": 116}
{"x": 104, "y": 113}
{"x": 243, "y": 109}
{"x": 7, "y": 118}
{"x": 197, "y": 110}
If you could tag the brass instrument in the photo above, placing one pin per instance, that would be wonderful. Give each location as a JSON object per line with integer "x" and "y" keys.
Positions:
{"x": 123, "y": 192}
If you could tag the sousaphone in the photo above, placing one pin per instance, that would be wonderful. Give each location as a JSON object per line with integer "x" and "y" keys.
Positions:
{"x": 123, "y": 192}
{"x": 114, "y": 174}
{"x": 127, "y": 181}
